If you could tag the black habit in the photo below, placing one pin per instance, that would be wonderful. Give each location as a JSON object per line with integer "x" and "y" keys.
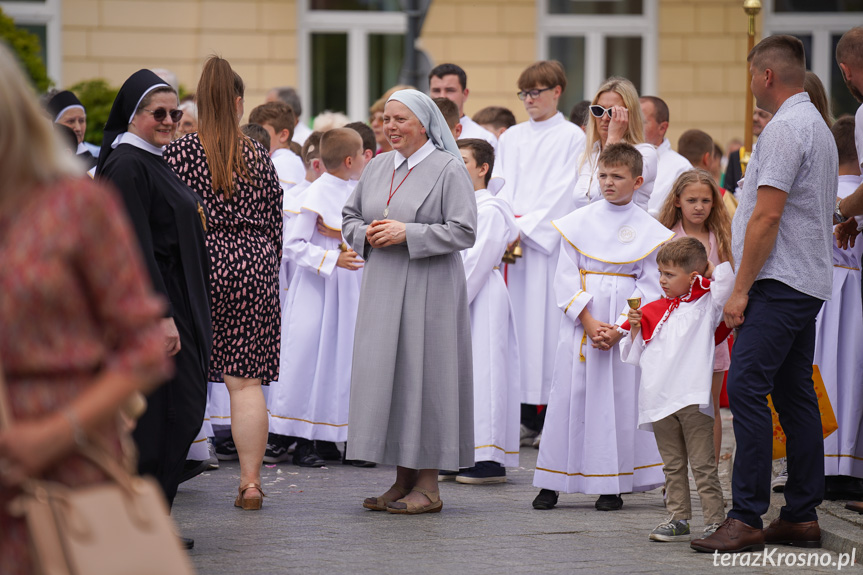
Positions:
{"x": 169, "y": 224}
{"x": 169, "y": 221}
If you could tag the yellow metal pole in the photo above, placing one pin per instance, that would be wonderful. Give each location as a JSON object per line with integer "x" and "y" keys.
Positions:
{"x": 752, "y": 8}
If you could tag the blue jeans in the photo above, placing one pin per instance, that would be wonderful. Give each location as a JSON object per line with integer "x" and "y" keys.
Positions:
{"x": 773, "y": 354}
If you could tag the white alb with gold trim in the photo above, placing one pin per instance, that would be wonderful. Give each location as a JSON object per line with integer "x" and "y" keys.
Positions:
{"x": 496, "y": 377}
{"x": 311, "y": 398}
{"x": 590, "y": 442}
{"x": 839, "y": 331}
{"x": 538, "y": 161}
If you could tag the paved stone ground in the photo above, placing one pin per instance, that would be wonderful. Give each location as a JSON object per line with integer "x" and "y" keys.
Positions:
{"x": 313, "y": 522}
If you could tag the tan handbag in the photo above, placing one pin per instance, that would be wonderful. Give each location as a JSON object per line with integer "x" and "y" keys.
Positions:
{"x": 118, "y": 527}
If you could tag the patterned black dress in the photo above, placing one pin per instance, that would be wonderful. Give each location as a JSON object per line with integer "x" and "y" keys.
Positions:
{"x": 244, "y": 240}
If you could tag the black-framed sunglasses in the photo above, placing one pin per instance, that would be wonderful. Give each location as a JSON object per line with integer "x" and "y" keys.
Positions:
{"x": 597, "y": 111}
{"x": 159, "y": 114}
{"x": 532, "y": 93}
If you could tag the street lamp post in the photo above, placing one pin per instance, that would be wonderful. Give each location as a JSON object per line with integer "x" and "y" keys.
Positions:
{"x": 752, "y": 8}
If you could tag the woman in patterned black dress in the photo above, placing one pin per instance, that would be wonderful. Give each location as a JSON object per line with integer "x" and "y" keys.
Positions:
{"x": 238, "y": 183}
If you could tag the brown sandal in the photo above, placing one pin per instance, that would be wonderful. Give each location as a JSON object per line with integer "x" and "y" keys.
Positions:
{"x": 252, "y": 503}
{"x": 379, "y": 503}
{"x": 411, "y": 508}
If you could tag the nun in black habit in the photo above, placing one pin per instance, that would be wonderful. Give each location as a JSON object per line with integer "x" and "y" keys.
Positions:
{"x": 169, "y": 221}
{"x": 67, "y": 110}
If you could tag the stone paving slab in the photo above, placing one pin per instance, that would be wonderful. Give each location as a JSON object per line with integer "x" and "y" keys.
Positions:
{"x": 313, "y": 522}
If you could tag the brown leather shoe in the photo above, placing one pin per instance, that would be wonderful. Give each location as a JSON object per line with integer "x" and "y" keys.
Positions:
{"x": 854, "y": 506}
{"x": 805, "y": 534}
{"x": 733, "y": 536}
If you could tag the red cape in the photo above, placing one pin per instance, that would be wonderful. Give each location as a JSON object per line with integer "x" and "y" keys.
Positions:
{"x": 655, "y": 313}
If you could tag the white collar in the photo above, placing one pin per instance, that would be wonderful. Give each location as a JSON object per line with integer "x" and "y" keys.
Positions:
{"x": 415, "y": 158}
{"x": 664, "y": 146}
{"x": 138, "y": 142}
{"x": 281, "y": 152}
{"x": 82, "y": 148}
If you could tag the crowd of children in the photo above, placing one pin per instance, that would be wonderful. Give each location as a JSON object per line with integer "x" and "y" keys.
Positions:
{"x": 606, "y": 315}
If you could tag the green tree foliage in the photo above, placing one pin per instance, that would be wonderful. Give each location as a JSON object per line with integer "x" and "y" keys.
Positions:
{"x": 97, "y": 97}
{"x": 27, "y": 48}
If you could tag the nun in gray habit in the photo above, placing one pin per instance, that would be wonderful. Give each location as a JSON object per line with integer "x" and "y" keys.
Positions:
{"x": 412, "y": 378}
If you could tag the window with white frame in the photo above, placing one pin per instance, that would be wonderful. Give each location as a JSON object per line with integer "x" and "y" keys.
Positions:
{"x": 352, "y": 52}
{"x": 42, "y": 18}
{"x": 819, "y": 24}
{"x": 595, "y": 39}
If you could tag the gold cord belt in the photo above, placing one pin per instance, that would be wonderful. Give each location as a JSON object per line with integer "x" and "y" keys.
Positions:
{"x": 585, "y": 273}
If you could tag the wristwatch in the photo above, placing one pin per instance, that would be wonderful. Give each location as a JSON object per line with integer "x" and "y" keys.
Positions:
{"x": 838, "y": 218}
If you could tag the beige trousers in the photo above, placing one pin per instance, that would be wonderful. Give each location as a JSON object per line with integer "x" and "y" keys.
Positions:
{"x": 687, "y": 434}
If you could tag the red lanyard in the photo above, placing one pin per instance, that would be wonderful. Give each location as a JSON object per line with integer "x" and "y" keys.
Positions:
{"x": 392, "y": 191}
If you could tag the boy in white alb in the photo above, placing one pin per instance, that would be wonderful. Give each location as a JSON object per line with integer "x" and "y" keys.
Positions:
{"x": 673, "y": 341}
{"x": 838, "y": 333}
{"x": 495, "y": 347}
{"x": 537, "y": 160}
{"x": 310, "y": 400}
{"x": 590, "y": 443}
{"x": 278, "y": 119}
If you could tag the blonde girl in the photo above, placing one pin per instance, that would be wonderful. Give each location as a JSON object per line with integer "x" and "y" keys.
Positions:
{"x": 695, "y": 208}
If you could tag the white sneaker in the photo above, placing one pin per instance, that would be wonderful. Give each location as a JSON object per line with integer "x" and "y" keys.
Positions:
{"x": 778, "y": 483}
{"x": 526, "y": 436}
{"x": 710, "y": 530}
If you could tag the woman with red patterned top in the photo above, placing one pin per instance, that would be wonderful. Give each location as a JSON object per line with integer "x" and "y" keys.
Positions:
{"x": 79, "y": 325}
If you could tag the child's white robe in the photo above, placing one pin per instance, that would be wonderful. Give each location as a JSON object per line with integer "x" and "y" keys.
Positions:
{"x": 590, "y": 443}
{"x": 839, "y": 331}
{"x": 292, "y": 203}
{"x": 677, "y": 363}
{"x": 496, "y": 376}
{"x": 311, "y": 398}
{"x": 470, "y": 129}
{"x": 289, "y": 167}
{"x": 537, "y": 160}
{"x": 587, "y": 188}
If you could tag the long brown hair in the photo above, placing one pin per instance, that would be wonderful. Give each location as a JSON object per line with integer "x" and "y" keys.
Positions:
{"x": 718, "y": 222}
{"x": 813, "y": 86}
{"x": 218, "y": 125}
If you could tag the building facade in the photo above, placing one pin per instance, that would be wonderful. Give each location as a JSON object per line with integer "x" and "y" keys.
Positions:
{"x": 342, "y": 54}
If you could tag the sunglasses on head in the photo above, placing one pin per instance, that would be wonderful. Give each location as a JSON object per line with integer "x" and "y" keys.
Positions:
{"x": 597, "y": 111}
{"x": 159, "y": 114}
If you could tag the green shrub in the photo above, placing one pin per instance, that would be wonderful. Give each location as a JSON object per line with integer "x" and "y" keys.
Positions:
{"x": 97, "y": 97}
{"x": 27, "y": 48}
